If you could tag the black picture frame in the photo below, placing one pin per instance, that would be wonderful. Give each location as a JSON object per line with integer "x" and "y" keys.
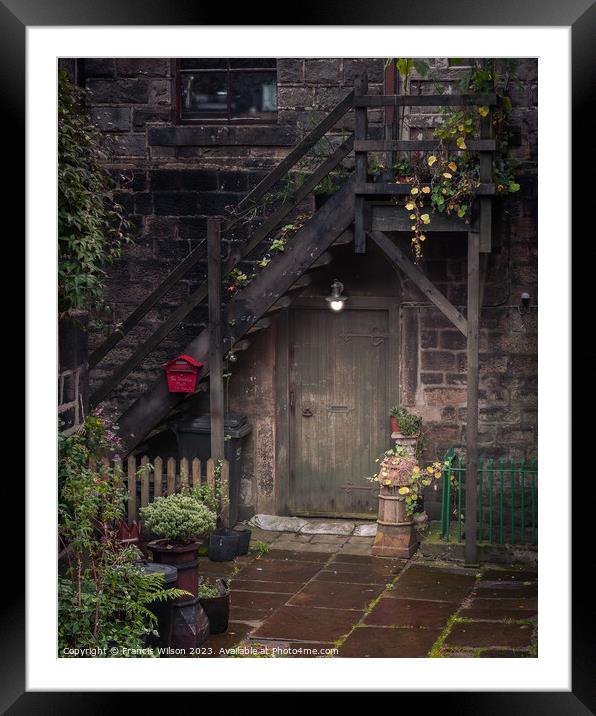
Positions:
{"x": 580, "y": 15}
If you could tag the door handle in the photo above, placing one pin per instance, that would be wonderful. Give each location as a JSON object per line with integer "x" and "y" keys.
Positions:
{"x": 307, "y": 413}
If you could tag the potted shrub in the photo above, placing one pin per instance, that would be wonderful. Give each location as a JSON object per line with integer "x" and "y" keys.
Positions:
{"x": 178, "y": 520}
{"x": 403, "y": 422}
{"x": 214, "y": 596}
{"x": 224, "y": 543}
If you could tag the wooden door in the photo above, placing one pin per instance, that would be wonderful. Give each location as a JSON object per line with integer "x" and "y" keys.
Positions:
{"x": 341, "y": 388}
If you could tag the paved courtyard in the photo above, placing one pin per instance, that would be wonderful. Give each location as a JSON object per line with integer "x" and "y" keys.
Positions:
{"x": 325, "y": 595}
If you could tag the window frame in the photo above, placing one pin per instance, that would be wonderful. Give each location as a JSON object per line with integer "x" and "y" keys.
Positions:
{"x": 262, "y": 118}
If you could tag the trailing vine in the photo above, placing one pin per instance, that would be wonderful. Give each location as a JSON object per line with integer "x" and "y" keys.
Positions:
{"x": 92, "y": 227}
{"x": 447, "y": 180}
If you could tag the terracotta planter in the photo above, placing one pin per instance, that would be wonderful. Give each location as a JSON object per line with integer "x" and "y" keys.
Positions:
{"x": 182, "y": 556}
{"x": 394, "y": 424}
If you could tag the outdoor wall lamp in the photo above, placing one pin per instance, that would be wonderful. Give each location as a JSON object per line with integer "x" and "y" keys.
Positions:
{"x": 336, "y": 300}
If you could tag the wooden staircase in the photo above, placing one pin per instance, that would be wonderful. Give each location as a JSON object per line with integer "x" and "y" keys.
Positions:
{"x": 247, "y": 312}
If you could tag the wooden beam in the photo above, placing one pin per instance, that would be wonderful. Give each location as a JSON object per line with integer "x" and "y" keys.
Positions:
{"x": 486, "y": 175}
{"x": 389, "y": 217}
{"x": 471, "y": 547}
{"x": 419, "y": 145}
{"x": 216, "y": 349}
{"x": 397, "y": 256}
{"x": 361, "y": 166}
{"x": 430, "y": 100}
{"x": 390, "y": 189}
{"x": 298, "y": 152}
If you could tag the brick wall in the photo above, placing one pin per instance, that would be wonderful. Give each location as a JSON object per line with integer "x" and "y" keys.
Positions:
{"x": 172, "y": 178}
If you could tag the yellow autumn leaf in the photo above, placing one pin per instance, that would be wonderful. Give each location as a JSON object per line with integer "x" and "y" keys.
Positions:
{"x": 483, "y": 110}
{"x": 426, "y": 190}
{"x": 461, "y": 143}
{"x": 425, "y": 218}
{"x": 412, "y": 216}
{"x": 431, "y": 160}
{"x": 460, "y": 127}
{"x": 422, "y": 237}
{"x": 414, "y": 191}
{"x": 410, "y": 205}
{"x": 413, "y": 228}
{"x": 404, "y": 490}
{"x": 447, "y": 175}
{"x": 452, "y": 166}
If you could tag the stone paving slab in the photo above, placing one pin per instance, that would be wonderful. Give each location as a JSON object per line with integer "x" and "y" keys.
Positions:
{"x": 236, "y": 632}
{"x": 387, "y": 642}
{"x": 257, "y": 600}
{"x": 366, "y": 559}
{"x": 258, "y": 535}
{"x": 500, "y": 609}
{"x": 279, "y": 571}
{"x": 509, "y": 575}
{"x": 253, "y": 585}
{"x": 251, "y": 615}
{"x": 307, "y": 624}
{"x": 478, "y": 634}
{"x": 366, "y": 575}
{"x": 298, "y": 555}
{"x": 411, "y": 612}
{"x": 494, "y": 590}
{"x": 503, "y": 654}
{"x": 319, "y": 547}
{"x": 375, "y": 565}
{"x": 422, "y": 582}
{"x": 338, "y": 596}
{"x": 328, "y": 539}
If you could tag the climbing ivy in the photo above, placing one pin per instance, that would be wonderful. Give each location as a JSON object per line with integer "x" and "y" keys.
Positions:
{"x": 92, "y": 227}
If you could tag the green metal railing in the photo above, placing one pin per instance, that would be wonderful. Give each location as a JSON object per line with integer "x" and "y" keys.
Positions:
{"x": 507, "y": 500}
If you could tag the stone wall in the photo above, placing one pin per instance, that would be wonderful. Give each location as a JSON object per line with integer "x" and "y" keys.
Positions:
{"x": 171, "y": 178}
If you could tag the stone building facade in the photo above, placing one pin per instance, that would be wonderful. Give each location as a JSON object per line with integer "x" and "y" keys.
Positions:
{"x": 173, "y": 176}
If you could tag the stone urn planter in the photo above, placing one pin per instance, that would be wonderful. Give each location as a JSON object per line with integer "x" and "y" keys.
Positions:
{"x": 396, "y": 535}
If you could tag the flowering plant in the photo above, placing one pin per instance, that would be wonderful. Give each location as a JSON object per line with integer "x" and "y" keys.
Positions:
{"x": 398, "y": 469}
{"x": 178, "y": 517}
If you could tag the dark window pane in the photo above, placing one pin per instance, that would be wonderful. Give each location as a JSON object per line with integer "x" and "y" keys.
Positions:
{"x": 203, "y": 94}
{"x": 253, "y": 62}
{"x": 203, "y": 63}
{"x": 253, "y": 92}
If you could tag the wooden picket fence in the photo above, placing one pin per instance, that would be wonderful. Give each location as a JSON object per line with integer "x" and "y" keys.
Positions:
{"x": 145, "y": 479}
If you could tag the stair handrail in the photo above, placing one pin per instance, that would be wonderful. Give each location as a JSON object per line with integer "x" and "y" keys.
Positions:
{"x": 260, "y": 234}
{"x": 249, "y": 201}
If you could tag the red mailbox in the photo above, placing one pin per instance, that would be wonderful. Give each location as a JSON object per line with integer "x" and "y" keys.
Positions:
{"x": 182, "y": 373}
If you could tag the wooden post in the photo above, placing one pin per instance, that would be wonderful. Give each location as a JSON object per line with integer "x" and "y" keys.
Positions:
{"x": 216, "y": 386}
{"x": 471, "y": 548}
{"x": 361, "y": 165}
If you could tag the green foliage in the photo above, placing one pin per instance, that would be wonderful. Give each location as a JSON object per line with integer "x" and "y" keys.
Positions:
{"x": 103, "y": 596}
{"x": 178, "y": 517}
{"x": 260, "y": 548}
{"x": 408, "y": 424}
{"x": 91, "y": 225}
{"x": 215, "y": 498}
{"x": 210, "y": 589}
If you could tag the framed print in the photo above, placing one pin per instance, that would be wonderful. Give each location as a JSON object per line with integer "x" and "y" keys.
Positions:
{"x": 311, "y": 368}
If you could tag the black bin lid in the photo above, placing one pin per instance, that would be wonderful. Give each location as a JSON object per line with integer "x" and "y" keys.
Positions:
{"x": 170, "y": 574}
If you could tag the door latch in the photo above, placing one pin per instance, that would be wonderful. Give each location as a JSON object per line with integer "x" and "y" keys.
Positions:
{"x": 307, "y": 413}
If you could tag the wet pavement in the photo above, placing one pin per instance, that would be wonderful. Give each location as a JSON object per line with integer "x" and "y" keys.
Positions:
{"x": 325, "y": 595}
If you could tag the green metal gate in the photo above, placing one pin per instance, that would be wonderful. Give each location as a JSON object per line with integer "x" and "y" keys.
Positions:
{"x": 507, "y": 500}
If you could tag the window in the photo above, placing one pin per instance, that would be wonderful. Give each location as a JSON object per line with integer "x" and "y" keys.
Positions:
{"x": 229, "y": 90}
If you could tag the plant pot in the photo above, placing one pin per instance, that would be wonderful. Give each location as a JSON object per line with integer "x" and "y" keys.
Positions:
{"x": 190, "y": 626}
{"x": 182, "y": 556}
{"x": 217, "y": 609}
{"x": 223, "y": 545}
{"x": 163, "y": 610}
{"x": 394, "y": 424}
{"x": 243, "y": 541}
